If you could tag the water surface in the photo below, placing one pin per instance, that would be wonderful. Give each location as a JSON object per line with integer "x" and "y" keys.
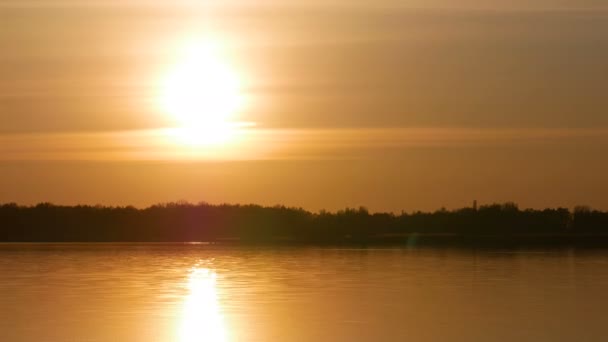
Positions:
{"x": 147, "y": 292}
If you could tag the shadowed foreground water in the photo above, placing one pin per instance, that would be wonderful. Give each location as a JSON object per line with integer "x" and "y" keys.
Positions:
{"x": 143, "y": 292}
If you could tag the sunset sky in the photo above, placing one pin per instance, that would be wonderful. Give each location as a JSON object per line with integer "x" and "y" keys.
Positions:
{"x": 320, "y": 104}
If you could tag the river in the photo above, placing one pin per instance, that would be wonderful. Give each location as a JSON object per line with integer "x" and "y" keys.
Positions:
{"x": 190, "y": 292}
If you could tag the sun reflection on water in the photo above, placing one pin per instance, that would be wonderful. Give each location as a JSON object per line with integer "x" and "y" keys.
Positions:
{"x": 202, "y": 319}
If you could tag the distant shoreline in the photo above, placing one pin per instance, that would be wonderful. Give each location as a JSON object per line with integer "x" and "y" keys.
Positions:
{"x": 495, "y": 225}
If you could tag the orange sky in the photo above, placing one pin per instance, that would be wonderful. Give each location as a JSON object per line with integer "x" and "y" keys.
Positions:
{"x": 388, "y": 104}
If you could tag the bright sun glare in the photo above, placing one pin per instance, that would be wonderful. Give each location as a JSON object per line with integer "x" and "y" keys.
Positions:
{"x": 202, "y": 93}
{"x": 202, "y": 319}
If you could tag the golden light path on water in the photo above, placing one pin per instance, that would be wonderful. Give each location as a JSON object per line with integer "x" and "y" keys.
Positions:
{"x": 202, "y": 318}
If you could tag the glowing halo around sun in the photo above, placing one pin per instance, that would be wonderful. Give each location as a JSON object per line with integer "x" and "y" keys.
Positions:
{"x": 202, "y": 94}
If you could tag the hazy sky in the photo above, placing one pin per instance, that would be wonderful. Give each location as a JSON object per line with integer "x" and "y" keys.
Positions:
{"x": 389, "y": 104}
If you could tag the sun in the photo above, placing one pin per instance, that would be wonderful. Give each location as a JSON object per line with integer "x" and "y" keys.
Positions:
{"x": 202, "y": 94}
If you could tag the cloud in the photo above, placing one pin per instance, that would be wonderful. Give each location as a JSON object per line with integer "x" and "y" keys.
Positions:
{"x": 277, "y": 144}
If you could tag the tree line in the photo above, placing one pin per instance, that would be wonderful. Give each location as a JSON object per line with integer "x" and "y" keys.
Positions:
{"x": 226, "y": 223}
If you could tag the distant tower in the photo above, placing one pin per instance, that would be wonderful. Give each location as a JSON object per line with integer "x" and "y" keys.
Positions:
{"x": 475, "y": 205}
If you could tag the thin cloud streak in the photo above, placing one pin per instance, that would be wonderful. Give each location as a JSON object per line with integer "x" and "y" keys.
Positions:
{"x": 275, "y": 144}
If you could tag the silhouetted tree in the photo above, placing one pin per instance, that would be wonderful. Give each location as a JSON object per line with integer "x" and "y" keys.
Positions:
{"x": 182, "y": 221}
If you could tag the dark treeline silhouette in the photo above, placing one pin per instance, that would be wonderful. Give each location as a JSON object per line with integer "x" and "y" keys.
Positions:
{"x": 179, "y": 222}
